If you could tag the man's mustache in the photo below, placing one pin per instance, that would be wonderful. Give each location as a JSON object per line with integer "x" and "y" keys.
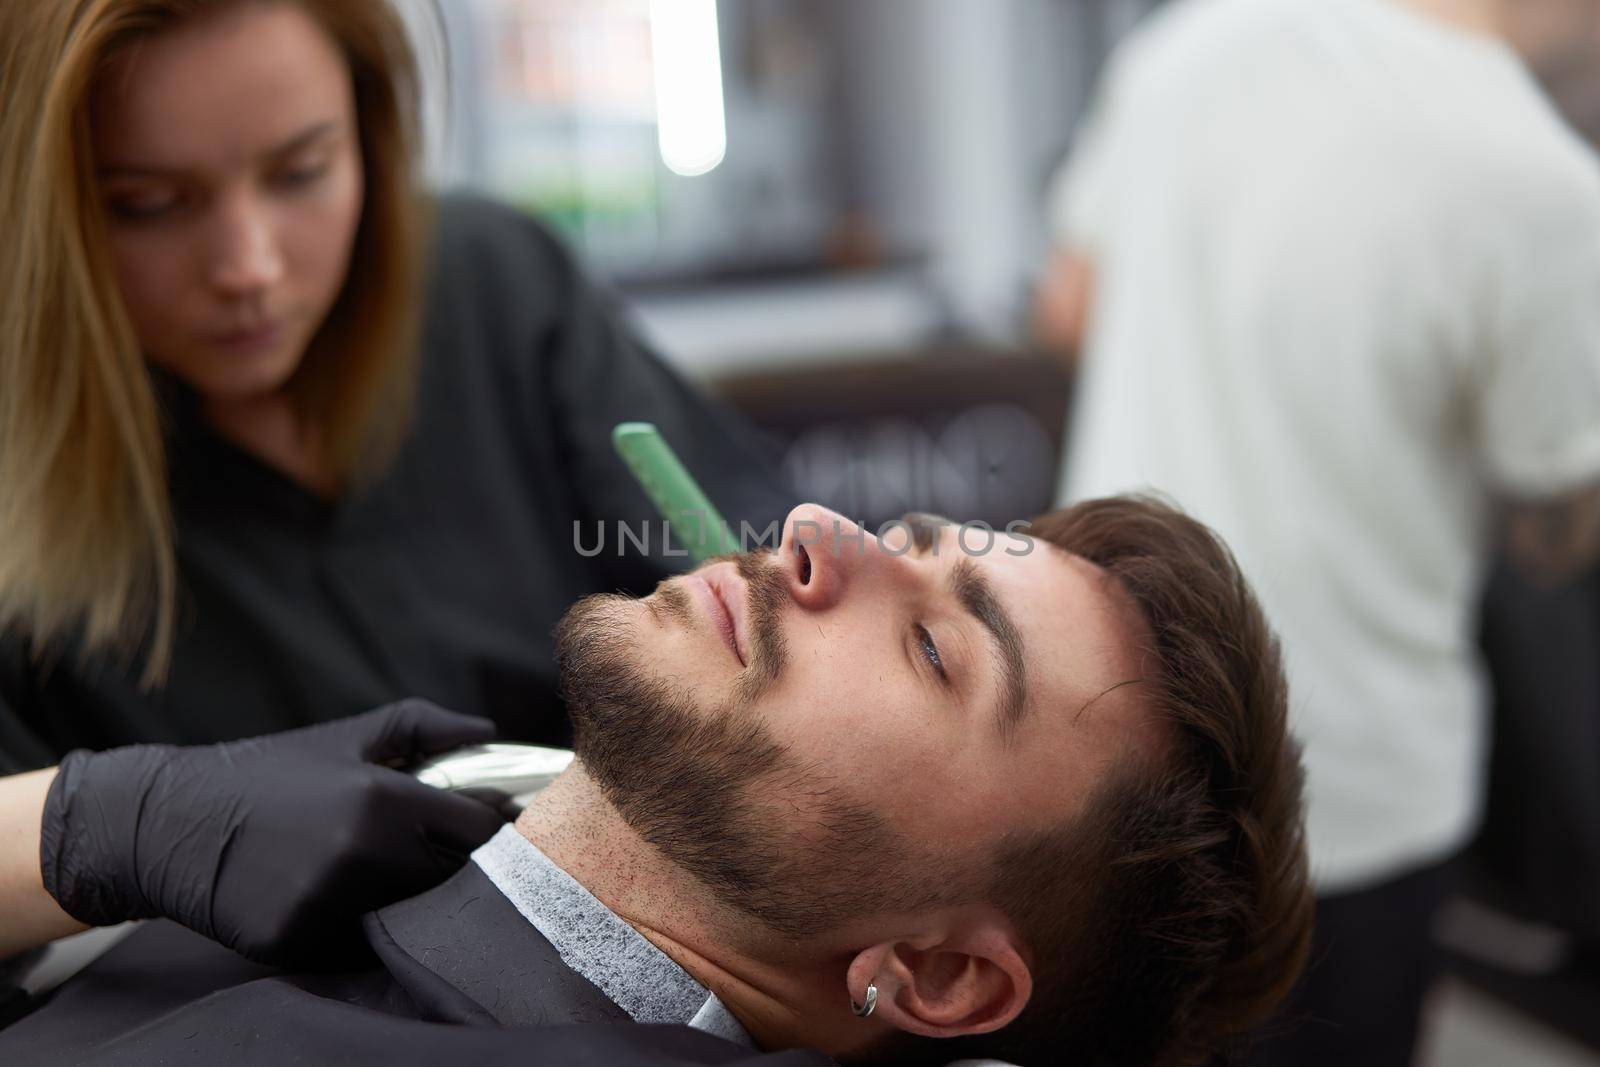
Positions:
{"x": 766, "y": 592}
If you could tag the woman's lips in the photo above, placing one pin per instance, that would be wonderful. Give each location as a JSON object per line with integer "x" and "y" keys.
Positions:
{"x": 260, "y": 337}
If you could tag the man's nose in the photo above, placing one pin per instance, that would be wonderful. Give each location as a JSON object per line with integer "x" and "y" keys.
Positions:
{"x": 245, "y": 256}
{"x": 823, "y": 554}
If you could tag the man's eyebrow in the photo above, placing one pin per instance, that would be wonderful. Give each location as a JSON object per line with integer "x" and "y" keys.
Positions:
{"x": 978, "y": 599}
{"x": 304, "y": 139}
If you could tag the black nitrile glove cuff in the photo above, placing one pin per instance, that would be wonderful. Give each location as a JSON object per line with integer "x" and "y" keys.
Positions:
{"x": 89, "y": 834}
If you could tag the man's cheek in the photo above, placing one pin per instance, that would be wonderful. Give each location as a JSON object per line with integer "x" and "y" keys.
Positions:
{"x": 681, "y": 661}
{"x": 813, "y": 720}
{"x": 849, "y": 732}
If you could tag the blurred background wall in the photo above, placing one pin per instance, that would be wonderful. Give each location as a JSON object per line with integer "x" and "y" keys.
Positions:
{"x": 876, "y": 202}
{"x": 902, "y": 143}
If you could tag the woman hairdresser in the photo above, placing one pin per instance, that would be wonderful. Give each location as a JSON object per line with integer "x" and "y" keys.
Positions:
{"x": 280, "y": 441}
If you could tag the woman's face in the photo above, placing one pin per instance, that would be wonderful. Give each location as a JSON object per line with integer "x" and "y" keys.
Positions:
{"x": 230, "y": 169}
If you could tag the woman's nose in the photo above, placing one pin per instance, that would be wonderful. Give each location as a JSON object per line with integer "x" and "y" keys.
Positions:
{"x": 245, "y": 258}
{"x": 822, "y": 554}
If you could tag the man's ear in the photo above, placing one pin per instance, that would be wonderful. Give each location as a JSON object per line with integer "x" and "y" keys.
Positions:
{"x": 968, "y": 976}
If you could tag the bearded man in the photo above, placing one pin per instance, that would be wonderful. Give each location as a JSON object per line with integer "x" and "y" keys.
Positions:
{"x": 890, "y": 800}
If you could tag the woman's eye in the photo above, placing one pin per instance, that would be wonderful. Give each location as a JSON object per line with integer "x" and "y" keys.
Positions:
{"x": 931, "y": 651}
{"x": 142, "y": 207}
{"x": 303, "y": 175}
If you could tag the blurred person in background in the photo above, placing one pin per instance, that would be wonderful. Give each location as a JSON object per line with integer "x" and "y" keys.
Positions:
{"x": 283, "y": 437}
{"x": 1334, "y": 270}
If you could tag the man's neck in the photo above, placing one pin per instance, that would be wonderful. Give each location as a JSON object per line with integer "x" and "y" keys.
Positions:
{"x": 776, "y": 992}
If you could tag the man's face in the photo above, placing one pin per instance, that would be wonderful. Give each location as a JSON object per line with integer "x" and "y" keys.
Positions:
{"x": 844, "y": 706}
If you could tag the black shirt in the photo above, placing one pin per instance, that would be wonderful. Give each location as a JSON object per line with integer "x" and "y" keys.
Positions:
{"x": 444, "y": 577}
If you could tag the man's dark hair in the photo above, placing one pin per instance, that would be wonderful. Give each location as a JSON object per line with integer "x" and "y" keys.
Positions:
{"x": 1171, "y": 919}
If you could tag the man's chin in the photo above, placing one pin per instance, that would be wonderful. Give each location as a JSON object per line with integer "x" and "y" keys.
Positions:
{"x": 600, "y": 624}
{"x": 602, "y": 683}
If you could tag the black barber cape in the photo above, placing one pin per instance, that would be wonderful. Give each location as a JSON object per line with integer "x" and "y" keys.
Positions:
{"x": 444, "y": 578}
{"x": 461, "y": 978}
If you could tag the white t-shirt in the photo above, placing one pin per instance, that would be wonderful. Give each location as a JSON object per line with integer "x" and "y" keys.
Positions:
{"x": 1347, "y": 290}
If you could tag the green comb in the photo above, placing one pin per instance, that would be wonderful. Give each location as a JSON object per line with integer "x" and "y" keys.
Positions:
{"x": 695, "y": 522}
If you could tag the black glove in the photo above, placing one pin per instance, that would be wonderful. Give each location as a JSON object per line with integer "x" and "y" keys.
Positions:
{"x": 273, "y": 846}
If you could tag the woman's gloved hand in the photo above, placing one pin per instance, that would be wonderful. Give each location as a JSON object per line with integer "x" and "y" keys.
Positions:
{"x": 273, "y": 846}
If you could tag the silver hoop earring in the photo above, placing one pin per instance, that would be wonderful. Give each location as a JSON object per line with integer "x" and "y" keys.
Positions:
{"x": 865, "y": 1009}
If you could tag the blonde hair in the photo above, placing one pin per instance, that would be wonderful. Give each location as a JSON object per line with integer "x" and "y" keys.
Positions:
{"x": 86, "y": 526}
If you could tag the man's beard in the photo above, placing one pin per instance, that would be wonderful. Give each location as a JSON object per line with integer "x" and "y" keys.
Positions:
{"x": 714, "y": 790}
